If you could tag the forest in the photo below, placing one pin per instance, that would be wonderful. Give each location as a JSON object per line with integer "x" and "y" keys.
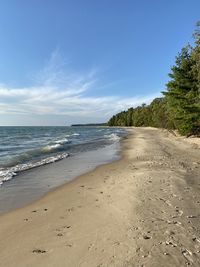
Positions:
{"x": 179, "y": 107}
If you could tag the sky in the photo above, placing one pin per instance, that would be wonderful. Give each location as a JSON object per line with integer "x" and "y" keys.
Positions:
{"x": 80, "y": 61}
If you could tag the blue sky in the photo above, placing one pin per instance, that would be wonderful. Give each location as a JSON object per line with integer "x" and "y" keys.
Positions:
{"x": 71, "y": 61}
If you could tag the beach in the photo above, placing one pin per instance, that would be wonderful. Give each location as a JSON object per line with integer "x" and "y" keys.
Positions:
{"x": 141, "y": 210}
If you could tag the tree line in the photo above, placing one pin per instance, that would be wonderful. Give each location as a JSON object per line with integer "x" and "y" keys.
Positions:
{"x": 179, "y": 108}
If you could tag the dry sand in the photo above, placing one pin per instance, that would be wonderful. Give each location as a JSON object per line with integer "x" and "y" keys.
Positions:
{"x": 143, "y": 210}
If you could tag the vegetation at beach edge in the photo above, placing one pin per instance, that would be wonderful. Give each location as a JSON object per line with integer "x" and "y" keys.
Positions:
{"x": 179, "y": 108}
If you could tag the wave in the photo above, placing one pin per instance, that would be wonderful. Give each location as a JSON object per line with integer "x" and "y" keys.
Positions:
{"x": 62, "y": 141}
{"x": 49, "y": 148}
{"x": 112, "y": 137}
{"x": 8, "y": 173}
{"x": 74, "y": 134}
{"x": 27, "y": 155}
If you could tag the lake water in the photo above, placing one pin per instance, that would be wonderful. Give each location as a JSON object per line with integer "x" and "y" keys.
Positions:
{"x": 34, "y": 160}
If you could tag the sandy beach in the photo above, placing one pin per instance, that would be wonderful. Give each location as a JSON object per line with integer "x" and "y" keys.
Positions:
{"x": 142, "y": 210}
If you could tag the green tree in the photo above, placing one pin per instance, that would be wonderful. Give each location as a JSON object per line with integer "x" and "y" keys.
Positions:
{"x": 159, "y": 114}
{"x": 183, "y": 93}
{"x": 180, "y": 106}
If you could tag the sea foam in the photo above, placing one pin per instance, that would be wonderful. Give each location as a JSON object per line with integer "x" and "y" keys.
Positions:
{"x": 112, "y": 137}
{"x": 8, "y": 173}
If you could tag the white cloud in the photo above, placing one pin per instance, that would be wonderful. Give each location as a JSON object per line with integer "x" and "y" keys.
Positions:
{"x": 44, "y": 100}
{"x": 60, "y": 92}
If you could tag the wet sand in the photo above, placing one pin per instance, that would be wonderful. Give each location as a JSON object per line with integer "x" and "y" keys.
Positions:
{"x": 142, "y": 210}
{"x": 31, "y": 185}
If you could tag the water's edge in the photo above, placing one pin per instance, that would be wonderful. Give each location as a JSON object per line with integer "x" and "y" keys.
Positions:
{"x": 34, "y": 184}
{"x": 24, "y": 148}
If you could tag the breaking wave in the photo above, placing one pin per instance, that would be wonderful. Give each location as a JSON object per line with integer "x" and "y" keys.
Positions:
{"x": 8, "y": 173}
{"x": 24, "y": 148}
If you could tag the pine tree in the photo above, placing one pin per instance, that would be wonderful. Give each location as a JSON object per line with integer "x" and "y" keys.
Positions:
{"x": 180, "y": 108}
{"x": 183, "y": 93}
{"x": 196, "y": 71}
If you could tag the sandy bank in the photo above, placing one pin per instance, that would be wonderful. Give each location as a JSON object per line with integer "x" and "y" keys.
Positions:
{"x": 142, "y": 210}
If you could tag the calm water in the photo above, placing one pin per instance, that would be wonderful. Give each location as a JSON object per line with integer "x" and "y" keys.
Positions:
{"x": 25, "y": 148}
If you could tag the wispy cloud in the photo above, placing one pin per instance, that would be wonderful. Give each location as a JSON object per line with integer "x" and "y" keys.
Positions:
{"x": 59, "y": 91}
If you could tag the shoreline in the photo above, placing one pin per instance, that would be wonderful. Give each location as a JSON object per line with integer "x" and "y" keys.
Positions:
{"x": 118, "y": 156}
{"x": 141, "y": 210}
{"x": 60, "y": 187}
{"x": 31, "y": 185}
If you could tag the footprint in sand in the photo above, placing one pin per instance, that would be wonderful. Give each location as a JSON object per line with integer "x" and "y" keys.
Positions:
{"x": 90, "y": 246}
{"x": 192, "y": 216}
{"x": 146, "y": 237}
{"x": 70, "y": 209}
{"x": 170, "y": 243}
{"x": 59, "y": 234}
{"x": 67, "y": 226}
{"x": 188, "y": 255}
{"x": 69, "y": 245}
{"x": 39, "y": 251}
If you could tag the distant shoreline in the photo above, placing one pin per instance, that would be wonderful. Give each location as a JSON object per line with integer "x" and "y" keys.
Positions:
{"x": 90, "y": 124}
